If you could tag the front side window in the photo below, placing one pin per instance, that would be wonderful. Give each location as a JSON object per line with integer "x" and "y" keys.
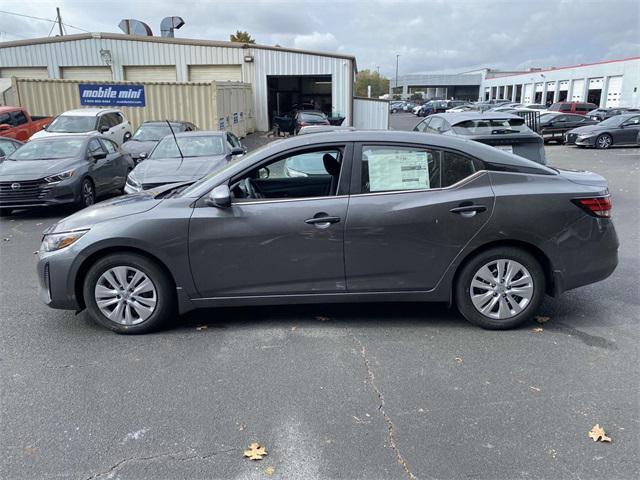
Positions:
{"x": 633, "y": 121}
{"x": 72, "y": 124}
{"x": 387, "y": 168}
{"x": 306, "y": 174}
{"x": 110, "y": 146}
{"x": 7, "y": 148}
{"x": 233, "y": 140}
{"x": 19, "y": 118}
{"x": 423, "y": 126}
{"x": 95, "y": 147}
{"x": 5, "y": 118}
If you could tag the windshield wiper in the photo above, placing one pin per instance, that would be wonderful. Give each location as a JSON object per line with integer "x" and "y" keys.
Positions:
{"x": 503, "y": 130}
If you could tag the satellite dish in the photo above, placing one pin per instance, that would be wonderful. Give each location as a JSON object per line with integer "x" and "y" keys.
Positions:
{"x": 169, "y": 24}
{"x": 131, "y": 26}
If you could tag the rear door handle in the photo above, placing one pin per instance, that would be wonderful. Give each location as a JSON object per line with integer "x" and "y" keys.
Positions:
{"x": 469, "y": 209}
{"x": 324, "y": 219}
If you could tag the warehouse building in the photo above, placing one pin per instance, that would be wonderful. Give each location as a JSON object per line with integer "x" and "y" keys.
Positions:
{"x": 613, "y": 83}
{"x": 464, "y": 86}
{"x": 281, "y": 78}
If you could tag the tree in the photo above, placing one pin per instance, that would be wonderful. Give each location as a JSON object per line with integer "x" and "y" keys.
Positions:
{"x": 241, "y": 37}
{"x": 379, "y": 84}
{"x": 416, "y": 96}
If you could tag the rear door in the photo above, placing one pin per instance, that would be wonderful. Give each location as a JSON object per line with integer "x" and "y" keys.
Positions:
{"x": 412, "y": 210}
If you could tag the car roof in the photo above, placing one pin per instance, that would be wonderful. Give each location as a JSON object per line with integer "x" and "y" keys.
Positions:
{"x": 458, "y": 117}
{"x": 201, "y": 133}
{"x": 628, "y": 115}
{"x": 90, "y": 112}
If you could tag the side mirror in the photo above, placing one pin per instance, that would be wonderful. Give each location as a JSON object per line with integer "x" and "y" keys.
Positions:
{"x": 44, "y": 127}
{"x": 264, "y": 172}
{"x": 4, "y": 126}
{"x": 104, "y": 129}
{"x": 219, "y": 197}
{"x": 99, "y": 156}
{"x": 142, "y": 156}
{"x": 237, "y": 151}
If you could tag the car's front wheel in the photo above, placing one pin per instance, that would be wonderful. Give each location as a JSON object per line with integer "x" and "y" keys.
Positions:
{"x": 87, "y": 193}
{"x": 604, "y": 141}
{"x": 500, "y": 288}
{"x": 129, "y": 293}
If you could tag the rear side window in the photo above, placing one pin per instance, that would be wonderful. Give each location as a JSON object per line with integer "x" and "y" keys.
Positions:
{"x": 565, "y": 108}
{"x": 388, "y": 168}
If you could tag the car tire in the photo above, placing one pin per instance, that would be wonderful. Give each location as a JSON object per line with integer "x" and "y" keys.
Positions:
{"x": 111, "y": 279}
{"x": 5, "y": 212}
{"x": 504, "y": 307}
{"x": 87, "y": 193}
{"x": 603, "y": 141}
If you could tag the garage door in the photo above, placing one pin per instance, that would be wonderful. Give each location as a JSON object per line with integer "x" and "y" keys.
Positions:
{"x": 150, "y": 73}
{"x": 613, "y": 91}
{"x": 24, "y": 72}
{"x": 577, "y": 94}
{"x": 528, "y": 93}
{"x": 86, "y": 73}
{"x": 215, "y": 73}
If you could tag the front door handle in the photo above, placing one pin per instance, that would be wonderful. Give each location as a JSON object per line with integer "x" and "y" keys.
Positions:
{"x": 323, "y": 219}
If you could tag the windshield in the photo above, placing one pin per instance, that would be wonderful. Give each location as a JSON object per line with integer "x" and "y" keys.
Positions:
{"x": 196, "y": 146}
{"x": 72, "y": 124}
{"x": 154, "y": 133}
{"x": 50, "y": 149}
{"x": 612, "y": 121}
{"x": 482, "y": 126}
{"x": 312, "y": 117}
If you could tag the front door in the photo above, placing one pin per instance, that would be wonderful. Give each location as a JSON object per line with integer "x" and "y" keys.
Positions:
{"x": 629, "y": 133}
{"x": 414, "y": 209}
{"x": 281, "y": 235}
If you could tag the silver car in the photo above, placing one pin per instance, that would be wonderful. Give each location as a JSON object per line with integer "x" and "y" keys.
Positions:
{"x": 396, "y": 216}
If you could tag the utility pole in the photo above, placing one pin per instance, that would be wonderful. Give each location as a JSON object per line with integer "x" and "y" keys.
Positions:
{"x": 397, "y": 57}
{"x": 378, "y": 68}
{"x": 59, "y": 19}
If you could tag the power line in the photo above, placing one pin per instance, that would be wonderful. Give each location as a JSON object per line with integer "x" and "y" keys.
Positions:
{"x": 43, "y": 19}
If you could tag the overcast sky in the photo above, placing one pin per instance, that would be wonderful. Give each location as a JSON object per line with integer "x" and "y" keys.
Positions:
{"x": 429, "y": 35}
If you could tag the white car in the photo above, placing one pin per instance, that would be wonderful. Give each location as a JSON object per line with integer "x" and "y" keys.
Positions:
{"x": 416, "y": 109}
{"x": 109, "y": 122}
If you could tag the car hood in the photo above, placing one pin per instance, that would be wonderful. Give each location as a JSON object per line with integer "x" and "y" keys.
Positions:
{"x": 44, "y": 133}
{"x": 177, "y": 169}
{"x": 108, "y": 210}
{"x": 136, "y": 147}
{"x": 588, "y": 129}
{"x": 22, "y": 170}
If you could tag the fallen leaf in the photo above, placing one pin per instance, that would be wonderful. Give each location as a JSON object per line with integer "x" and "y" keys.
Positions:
{"x": 598, "y": 434}
{"x": 541, "y": 319}
{"x": 459, "y": 360}
{"x": 293, "y": 329}
{"x": 201, "y": 327}
{"x": 242, "y": 427}
{"x": 534, "y": 388}
{"x": 255, "y": 451}
{"x": 537, "y": 330}
{"x": 270, "y": 470}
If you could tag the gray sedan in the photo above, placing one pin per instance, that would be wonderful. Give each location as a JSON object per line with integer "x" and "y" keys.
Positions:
{"x": 396, "y": 216}
{"x": 186, "y": 157}
{"x": 619, "y": 130}
{"x": 62, "y": 170}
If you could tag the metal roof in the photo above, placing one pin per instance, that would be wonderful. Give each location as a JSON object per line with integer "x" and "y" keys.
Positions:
{"x": 179, "y": 41}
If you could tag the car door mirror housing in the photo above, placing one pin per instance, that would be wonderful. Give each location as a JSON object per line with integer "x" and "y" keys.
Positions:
{"x": 5, "y": 126}
{"x": 219, "y": 197}
{"x": 104, "y": 129}
{"x": 237, "y": 151}
{"x": 99, "y": 156}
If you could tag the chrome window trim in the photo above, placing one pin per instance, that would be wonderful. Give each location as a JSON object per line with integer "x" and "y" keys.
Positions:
{"x": 286, "y": 200}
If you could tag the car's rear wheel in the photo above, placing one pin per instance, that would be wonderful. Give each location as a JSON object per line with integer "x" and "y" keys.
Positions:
{"x": 5, "y": 212}
{"x": 129, "y": 293}
{"x": 500, "y": 288}
{"x": 604, "y": 141}
{"x": 87, "y": 193}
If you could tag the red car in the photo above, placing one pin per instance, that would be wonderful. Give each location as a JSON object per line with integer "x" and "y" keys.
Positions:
{"x": 15, "y": 122}
{"x": 579, "y": 108}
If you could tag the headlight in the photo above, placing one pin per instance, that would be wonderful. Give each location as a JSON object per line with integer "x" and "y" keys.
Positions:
{"x": 55, "y": 241}
{"x": 59, "y": 177}
{"x": 133, "y": 183}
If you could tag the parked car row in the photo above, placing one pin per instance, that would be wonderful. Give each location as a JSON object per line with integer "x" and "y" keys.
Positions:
{"x": 82, "y": 155}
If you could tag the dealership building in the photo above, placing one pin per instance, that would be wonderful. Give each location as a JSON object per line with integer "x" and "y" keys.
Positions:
{"x": 280, "y": 78}
{"x": 613, "y": 83}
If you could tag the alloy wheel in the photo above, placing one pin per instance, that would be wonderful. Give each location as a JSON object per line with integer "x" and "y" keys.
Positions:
{"x": 501, "y": 289}
{"x": 125, "y": 295}
{"x": 88, "y": 194}
{"x": 604, "y": 141}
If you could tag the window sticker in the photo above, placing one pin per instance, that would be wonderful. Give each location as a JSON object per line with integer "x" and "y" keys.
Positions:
{"x": 397, "y": 170}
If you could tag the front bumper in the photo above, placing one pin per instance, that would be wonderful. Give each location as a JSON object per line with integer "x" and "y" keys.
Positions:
{"x": 586, "y": 142}
{"x": 53, "y": 270}
{"x": 37, "y": 193}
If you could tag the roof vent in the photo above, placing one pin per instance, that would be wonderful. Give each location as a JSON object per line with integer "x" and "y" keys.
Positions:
{"x": 169, "y": 24}
{"x": 135, "y": 27}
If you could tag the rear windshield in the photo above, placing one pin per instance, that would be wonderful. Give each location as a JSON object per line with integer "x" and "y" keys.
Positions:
{"x": 496, "y": 126}
{"x": 196, "y": 146}
{"x": 312, "y": 117}
{"x": 72, "y": 124}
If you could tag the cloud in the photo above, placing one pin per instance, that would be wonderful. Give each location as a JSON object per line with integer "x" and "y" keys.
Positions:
{"x": 324, "y": 42}
{"x": 454, "y": 36}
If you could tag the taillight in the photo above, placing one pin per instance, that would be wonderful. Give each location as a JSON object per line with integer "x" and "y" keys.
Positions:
{"x": 596, "y": 206}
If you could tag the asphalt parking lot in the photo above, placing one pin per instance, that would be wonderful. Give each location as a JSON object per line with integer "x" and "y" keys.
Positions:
{"x": 333, "y": 391}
